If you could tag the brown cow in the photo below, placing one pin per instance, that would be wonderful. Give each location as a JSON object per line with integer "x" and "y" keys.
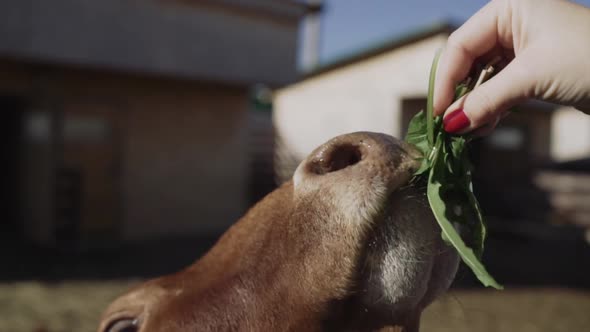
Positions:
{"x": 347, "y": 245}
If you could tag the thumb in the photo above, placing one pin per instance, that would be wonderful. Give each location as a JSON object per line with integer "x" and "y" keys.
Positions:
{"x": 490, "y": 100}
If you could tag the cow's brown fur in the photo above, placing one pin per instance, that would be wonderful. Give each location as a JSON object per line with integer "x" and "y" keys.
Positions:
{"x": 300, "y": 259}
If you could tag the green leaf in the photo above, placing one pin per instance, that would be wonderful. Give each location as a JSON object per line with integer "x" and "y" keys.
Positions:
{"x": 424, "y": 167}
{"x": 439, "y": 209}
{"x": 430, "y": 99}
{"x": 446, "y": 168}
{"x": 417, "y": 133}
{"x": 417, "y": 136}
{"x": 478, "y": 228}
{"x": 461, "y": 90}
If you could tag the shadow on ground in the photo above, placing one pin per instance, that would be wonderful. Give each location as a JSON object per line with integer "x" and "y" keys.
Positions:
{"x": 135, "y": 260}
{"x": 522, "y": 254}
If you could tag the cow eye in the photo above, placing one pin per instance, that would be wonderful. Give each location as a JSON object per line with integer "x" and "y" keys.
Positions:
{"x": 123, "y": 325}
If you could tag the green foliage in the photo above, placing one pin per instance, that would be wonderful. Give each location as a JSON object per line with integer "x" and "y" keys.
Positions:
{"x": 446, "y": 165}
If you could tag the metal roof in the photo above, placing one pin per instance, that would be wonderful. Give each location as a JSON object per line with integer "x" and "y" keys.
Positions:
{"x": 156, "y": 37}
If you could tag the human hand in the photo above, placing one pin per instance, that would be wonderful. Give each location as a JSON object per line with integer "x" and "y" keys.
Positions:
{"x": 545, "y": 45}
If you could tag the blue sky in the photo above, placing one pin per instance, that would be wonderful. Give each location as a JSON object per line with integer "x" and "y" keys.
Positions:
{"x": 350, "y": 25}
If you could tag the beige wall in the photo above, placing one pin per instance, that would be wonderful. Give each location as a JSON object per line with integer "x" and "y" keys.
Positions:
{"x": 368, "y": 95}
{"x": 570, "y": 134}
{"x": 181, "y": 146}
{"x": 365, "y": 95}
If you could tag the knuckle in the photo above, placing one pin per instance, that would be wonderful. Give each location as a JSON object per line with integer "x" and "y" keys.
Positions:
{"x": 456, "y": 44}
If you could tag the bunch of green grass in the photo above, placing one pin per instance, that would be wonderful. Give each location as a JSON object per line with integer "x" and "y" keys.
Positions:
{"x": 448, "y": 172}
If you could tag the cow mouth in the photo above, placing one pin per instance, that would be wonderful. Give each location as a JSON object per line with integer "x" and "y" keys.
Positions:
{"x": 406, "y": 265}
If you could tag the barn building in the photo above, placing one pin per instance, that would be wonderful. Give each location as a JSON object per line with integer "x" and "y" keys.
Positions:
{"x": 126, "y": 120}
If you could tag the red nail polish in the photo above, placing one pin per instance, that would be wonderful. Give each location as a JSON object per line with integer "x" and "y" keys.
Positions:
{"x": 456, "y": 121}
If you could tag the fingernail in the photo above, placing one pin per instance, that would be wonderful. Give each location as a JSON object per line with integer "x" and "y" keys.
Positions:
{"x": 456, "y": 121}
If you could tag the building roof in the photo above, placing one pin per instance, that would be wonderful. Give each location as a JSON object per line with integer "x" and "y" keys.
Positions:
{"x": 285, "y": 8}
{"x": 382, "y": 47}
{"x": 156, "y": 37}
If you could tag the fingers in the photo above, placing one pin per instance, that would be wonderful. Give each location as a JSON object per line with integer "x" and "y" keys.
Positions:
{"x": 487, "y": 103}
{"x": 479, "y": 35}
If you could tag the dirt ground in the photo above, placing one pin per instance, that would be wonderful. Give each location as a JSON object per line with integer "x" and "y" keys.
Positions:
{"x": 76, "y": 306}
{"x": 511, "y": 310}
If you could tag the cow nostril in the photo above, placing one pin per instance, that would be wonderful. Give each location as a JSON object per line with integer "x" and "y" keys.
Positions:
{"x": 344, "y": 156}
{"x": 336, "y": 159}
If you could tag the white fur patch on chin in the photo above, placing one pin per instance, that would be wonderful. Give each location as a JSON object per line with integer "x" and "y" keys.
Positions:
{"x": 416, "y": 267}
{"x": 404, "y": 278}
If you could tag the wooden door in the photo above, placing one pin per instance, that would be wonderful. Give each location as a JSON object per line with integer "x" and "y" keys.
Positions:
{"x": 88, "y": 178}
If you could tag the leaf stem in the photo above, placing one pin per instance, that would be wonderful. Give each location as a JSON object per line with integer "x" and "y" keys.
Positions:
{"x": 430, "y": 100}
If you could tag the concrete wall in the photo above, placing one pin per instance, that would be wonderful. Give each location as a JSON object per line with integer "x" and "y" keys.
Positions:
{"x": 181, "y": 147}
{"x": 366, "y": 95}
{"x": 570, "y": 134}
